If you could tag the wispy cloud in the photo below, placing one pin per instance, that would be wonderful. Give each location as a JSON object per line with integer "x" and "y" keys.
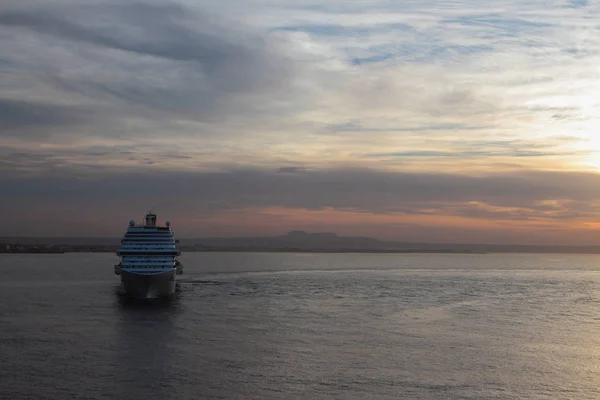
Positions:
{"x": 90, "y": 91}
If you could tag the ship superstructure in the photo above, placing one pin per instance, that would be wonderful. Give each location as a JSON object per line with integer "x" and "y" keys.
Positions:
{"x": 149, "y": 261}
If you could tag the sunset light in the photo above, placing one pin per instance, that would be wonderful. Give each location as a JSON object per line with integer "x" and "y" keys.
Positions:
{"x": 300, "y": 199}
{"x": 388, "y": 113}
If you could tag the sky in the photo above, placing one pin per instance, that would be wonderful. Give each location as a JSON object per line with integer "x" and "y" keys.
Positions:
{"x": 438, "y": 121}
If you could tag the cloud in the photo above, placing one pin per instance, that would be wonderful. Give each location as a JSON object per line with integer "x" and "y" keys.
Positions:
{"x": 469, "y": 154}
{"x": 164, "y": 58}
{"x": 355, "y": 114}
{"x": 290, "y": 170}
{"x": 285, "y": 72}
{"x": 162, "y": 31}
{"x": 499, "y": 23}
{"x": 353, "y": 126}
{"x": 340, "y": 200}
{"x": 357, "y": 189}
{"x": 16, "y": 115}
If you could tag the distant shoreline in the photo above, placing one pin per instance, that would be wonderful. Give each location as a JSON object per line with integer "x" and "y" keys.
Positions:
{"x": 322, "y": 251}
{"x": 252, "y": 250}
{"x": 293, "y": 242}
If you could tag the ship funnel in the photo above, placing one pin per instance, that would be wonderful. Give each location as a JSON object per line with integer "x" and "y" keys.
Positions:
{"x": 150, "y": 219}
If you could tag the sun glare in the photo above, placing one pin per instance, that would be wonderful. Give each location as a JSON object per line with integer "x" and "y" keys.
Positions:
{"x": 586, "y": 143}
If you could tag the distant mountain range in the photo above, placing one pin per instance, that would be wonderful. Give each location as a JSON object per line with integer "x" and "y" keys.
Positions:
{"x": 301, "y": 241}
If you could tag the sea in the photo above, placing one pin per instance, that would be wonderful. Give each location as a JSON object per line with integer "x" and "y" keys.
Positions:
{"x": 304, "y": 326}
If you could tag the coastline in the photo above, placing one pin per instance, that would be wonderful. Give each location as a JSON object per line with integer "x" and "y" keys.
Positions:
{"x": 507, "y": 250}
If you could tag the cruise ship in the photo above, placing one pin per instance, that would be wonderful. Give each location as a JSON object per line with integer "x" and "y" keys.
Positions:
{"x": 148, "y": 259}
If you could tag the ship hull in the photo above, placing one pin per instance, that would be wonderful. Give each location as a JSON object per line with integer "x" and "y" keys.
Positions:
{"x": 148, "y": 286}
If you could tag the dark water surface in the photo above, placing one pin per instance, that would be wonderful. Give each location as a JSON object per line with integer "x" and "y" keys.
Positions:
{"x": 272, "y": 326}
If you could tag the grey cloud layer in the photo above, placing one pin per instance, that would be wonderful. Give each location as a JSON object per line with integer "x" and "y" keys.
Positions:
{"x": 161, "y": 31}
{"x": 27, "y": 114}
{"x": 432, "y": 82}
{"x": 166, "y": 58}
{"x": 161, "y": 62}
{"x": 354, "y": 189}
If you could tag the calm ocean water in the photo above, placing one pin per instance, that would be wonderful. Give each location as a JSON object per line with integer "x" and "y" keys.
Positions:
{"x": 272, "y": 326}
